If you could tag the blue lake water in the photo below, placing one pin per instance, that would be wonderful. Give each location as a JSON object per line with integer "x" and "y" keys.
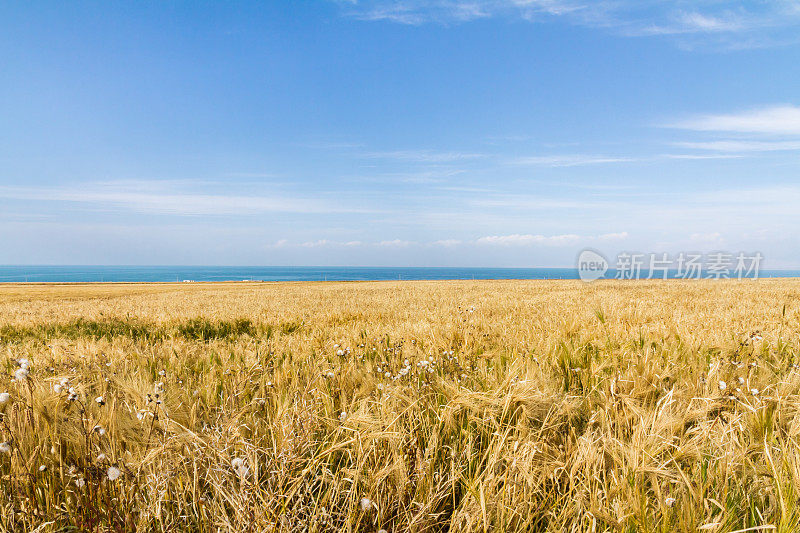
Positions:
{"x": 68, "y": 273}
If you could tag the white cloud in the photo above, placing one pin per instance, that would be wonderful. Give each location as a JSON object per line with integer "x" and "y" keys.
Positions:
{"x": 706, "y": 238}
{"x": 691, "y": 157}
{"x": 683, "y": 23}
{"x": 527, "y": 240}
{"x": 317, "y": 243}
{"x": 700, "y": 22}
{"x": 154, "y": 197}
{"x": 571, "y": 160}
{"x": 732, "y": 24}
{"x": 423, "y": 156}
{"x": 775, "y": 120}
{"x": 447, "y": 243}
{"x": 741, "y": 146}
{"x": 614, "y": 236}
{"x": 396, "y": 243}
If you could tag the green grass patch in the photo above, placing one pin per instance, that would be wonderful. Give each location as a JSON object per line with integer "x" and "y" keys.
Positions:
{"x": 200, "y": 329}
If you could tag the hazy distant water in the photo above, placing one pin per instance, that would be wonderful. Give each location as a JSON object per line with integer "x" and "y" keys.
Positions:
{"x": 43, "y": 273}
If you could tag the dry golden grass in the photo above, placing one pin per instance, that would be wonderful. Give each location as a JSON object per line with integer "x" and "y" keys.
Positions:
{"x": 408, "y": 406}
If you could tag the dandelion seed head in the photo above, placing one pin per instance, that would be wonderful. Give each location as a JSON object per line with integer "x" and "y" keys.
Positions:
{"x": 4, "y": 398}
{"x": 670, "y": 502}
{"x": 21, "y": 374}
{"x": 113, "y": 473}
{"x": 723, "y": 385}
{"x": 80, "y": 482}
{"x": 366, "y": 504}
{"x": 5, "y": 447}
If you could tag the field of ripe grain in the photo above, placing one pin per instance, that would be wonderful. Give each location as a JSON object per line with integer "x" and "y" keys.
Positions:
{"x": 401, "y": 406}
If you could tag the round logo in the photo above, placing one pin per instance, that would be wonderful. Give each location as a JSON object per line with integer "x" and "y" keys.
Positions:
{"x": 591, "y": 265}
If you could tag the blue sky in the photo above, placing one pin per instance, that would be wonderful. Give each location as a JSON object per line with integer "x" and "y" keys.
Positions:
{"x": 406, "y": 133}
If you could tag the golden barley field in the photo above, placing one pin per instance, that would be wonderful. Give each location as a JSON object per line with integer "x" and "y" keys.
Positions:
{"x": 401, "y": 406}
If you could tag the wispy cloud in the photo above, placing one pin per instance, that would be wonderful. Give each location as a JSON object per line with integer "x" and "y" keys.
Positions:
{"x": 517, "y": 239}
{"x": 693, "y": 157}
{"x": 621, "y": 236}
{"x": 491, "y": 240}
{"x": 733, "y": 24}
{"x": 423, "y": 156}
{"x": 568, "y": 239}
{"x": 416, "y": 13}
{"x": 773, "y": 120}
{"x": 447, "y": 243}
{"x": 396, "y": 243}
{"x": 154, "y": 197}
{"x": 706, "y": 238}
{"x": 683, "y": 23}
{"x": 571, "y": 160}
{"x": 773, "y": 128}
{"x": 739, "y": 146}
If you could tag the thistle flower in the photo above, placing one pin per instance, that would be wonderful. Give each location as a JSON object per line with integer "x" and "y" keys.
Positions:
{"x": 21, "y": 374}
{"x": 670, "y": 502}
{"x": 4, "y": 398}
{"x": 5, "y": 447}
{"x": 113, "y": 473}
{"x": 80, "y": 482}
{"x": 342, "y": 416}
{"x": 723, "y": 385}
{"x": 101, "y": 458}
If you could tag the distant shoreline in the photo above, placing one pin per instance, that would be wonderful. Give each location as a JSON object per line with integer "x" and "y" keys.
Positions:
{"x": 30, "y": 274}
